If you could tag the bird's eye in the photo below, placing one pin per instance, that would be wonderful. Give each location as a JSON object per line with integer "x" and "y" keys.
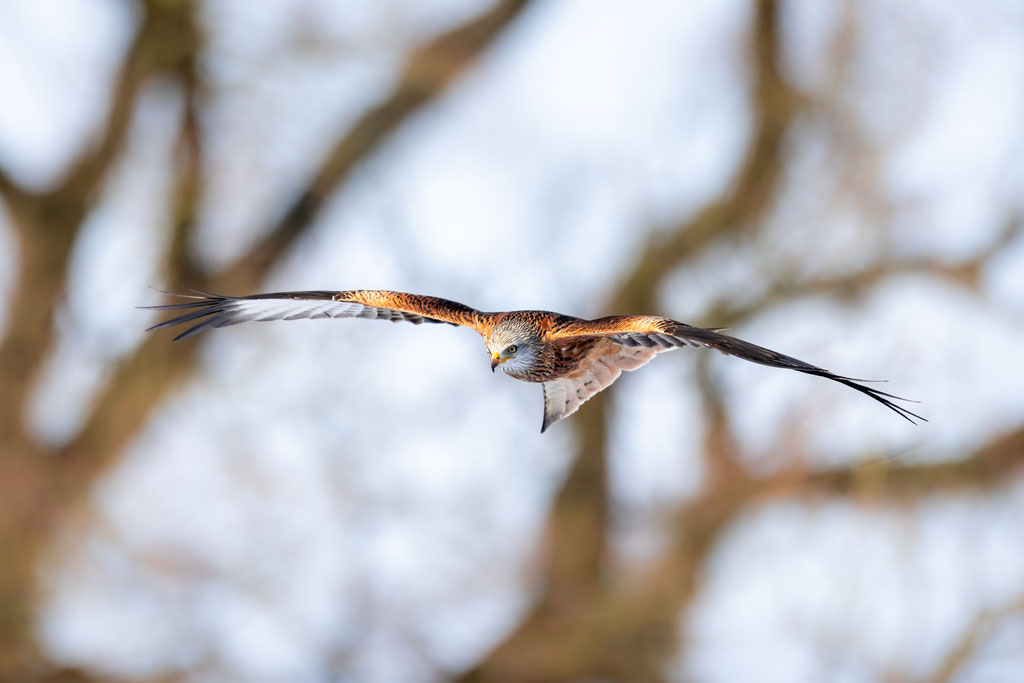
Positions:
{"x": 510, "y": 350}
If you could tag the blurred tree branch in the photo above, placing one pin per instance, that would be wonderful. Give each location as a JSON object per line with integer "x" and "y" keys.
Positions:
{"x": 773, "y": 104}
{"x": 39, "y": 487}
{"x": 628, "y": 629}
{"x": 983, "y": 470}
{"x": 45, "y": 226}
{"x": 589, "y": 621}
{"x": 46, "y": 223}
{"x": 127, "y": 401}
{"x": 789, "y": 286}
{"x": 582, "y": 625}
{"x": 972, "y": 640}
{"x": 585, "y": 624}
{"x": 427, "y": 73}
{"x": 11, "y": 192}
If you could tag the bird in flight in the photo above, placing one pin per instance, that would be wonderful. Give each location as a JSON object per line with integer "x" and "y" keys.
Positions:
{"x": 572, "y": 358}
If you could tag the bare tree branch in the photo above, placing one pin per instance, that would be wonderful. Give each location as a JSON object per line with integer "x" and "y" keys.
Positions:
{"x": 727, "y": 312}
{"x": 588, "y": 621}
{"x": 973, "y": 638}
{"x": 11, "y": 193}
{"x": 46, "y": 226}
{"x": 774, "y": 105}
{"x": 575, "y": 632}
{"x": 633, "y": 626}
{"x": 37, "y": 488}
{"x": 158, "y": 366}
{"x": 168, "y": 43}
{"x": 428, "y": 72}
{"x": 986, "y": 468}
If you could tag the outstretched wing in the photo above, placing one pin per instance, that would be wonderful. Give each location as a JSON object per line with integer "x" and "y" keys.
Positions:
{"x": 212, "y": 310}
{"x": 660, "y": 334}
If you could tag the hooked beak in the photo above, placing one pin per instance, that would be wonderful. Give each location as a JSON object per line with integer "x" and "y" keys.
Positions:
{"x": 495, "y": 361}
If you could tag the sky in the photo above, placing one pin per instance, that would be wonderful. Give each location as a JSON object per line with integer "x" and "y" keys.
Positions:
{"x": 533, "y": 183}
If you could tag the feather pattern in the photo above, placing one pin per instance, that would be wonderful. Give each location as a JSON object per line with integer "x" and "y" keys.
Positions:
{"x": 565, "y": 395}
{"x": 653, "y": 332}
{"x": 221, "y": 311}
{"x": 572, "y": 358}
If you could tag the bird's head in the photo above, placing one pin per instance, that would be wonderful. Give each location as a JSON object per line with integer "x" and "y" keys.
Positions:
{"x": 514, "y": 346}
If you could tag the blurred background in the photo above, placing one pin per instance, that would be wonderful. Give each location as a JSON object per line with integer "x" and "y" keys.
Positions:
{"x": 838, "y": 180}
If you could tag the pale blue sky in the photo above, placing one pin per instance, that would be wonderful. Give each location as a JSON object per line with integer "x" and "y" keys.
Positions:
{"x": 269, "y": 517}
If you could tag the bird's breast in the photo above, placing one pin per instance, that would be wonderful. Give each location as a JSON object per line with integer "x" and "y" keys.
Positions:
{"x": 554, "y": 362}
{"x": 537, "y": 372}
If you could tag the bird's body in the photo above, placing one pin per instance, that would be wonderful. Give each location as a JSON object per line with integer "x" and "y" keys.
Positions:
{"x": 573, "y": 358}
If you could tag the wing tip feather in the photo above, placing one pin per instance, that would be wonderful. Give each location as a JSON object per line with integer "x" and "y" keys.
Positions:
{"x": 885, "y": 398}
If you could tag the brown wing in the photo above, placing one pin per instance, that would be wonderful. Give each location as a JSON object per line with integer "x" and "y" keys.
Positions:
{"x": 664, "y": 333}
{"x": 213, "y": 310}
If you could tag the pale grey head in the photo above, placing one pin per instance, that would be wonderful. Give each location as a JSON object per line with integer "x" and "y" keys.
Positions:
{"x": 514, "y": 345}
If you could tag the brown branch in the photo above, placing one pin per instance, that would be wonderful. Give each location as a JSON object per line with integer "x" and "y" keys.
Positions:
{"x": 573, "y": 571}
{"x": 428, "y": 72}
{"x": 986, "y": 468}
{"x": 750, "y": 195}
{"x": 626, "y": 631}
{"x": 158, "y": 366}
{"x": 166, "y": 43}
{"x": 580, "y": 626}
{"x": 975, "y": 635}
{"x": 11, "y": 193}
{"x": 36, "y": 487}
{"x": 727, "y": 312}
{"x": 46, "y": 225}
{"x": 630, "y": 628}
